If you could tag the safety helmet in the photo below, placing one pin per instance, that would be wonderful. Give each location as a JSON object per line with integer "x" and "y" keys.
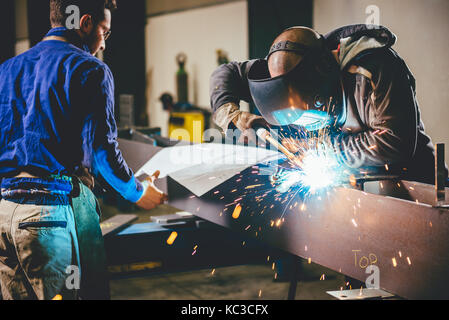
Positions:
{"x": 310, "y": 93}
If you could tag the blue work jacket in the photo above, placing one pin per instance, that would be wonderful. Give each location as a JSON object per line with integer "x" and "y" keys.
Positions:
{"x": 57, "y": 115}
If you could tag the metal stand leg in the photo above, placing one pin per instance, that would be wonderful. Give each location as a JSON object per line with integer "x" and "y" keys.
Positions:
{"x": 296, "y": 267}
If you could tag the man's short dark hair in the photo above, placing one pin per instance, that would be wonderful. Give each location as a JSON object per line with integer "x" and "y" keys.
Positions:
{"x": 95, "y": 8}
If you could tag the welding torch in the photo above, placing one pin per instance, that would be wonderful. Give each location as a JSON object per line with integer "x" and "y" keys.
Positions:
{"x": 266, "y": 136}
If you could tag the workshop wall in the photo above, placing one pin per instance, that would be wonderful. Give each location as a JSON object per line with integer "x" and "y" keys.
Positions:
{"x": 22, "y": 42}
{"x": 7, "y": 30}
{"x": 38, "y": 12}
{"x": 198, "y": 33}
{"x": 422, "y": 29}
{"x": 158, "y": 7}
{"x": 267, "y": 19}
{"x": 125, "y": 55}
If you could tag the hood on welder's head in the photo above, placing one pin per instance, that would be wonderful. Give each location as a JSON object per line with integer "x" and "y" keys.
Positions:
{"x": 354, "y": 40}
{"x": 306, "y": 93}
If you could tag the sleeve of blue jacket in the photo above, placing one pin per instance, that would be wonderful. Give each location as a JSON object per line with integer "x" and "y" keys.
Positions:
{"x": 107, "y": 159}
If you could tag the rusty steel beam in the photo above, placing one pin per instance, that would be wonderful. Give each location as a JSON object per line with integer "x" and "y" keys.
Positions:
{"x": 344, "y": 230}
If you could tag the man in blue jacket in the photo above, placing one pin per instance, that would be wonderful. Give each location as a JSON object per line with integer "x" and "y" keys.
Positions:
{"x": 57, "y": 129}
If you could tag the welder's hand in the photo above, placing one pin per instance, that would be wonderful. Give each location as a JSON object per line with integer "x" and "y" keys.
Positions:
{"x": 152, "y": 196}
{"x": 248, "y": 123}
{"x": 245, "y": 122}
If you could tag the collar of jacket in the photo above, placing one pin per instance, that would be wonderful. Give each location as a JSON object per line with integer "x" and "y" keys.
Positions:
{"x": 71, "y": 36}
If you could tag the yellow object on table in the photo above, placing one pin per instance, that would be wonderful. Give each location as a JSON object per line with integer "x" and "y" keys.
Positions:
{"x": 187, "y": 126}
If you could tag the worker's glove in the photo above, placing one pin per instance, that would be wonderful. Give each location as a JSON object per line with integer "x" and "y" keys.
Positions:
{"x": 229, "y": 116}
{"x": 152, "y": 196}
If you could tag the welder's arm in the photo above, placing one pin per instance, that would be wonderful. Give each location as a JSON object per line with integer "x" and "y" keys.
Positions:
{"x": 228, "y": 86}
{"x": 108, "y": 161}
{"x": 391, "y": 136}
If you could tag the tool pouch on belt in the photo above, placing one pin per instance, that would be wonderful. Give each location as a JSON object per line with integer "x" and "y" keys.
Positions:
{"x": 94, "y": 279}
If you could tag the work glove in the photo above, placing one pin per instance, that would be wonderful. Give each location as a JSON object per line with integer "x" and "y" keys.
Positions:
{"x": 152, "y": 196}
{"x": 230, "y": 116}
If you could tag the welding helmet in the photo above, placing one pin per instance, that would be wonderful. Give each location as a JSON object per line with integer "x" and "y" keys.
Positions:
{"x": 309, "y": 95}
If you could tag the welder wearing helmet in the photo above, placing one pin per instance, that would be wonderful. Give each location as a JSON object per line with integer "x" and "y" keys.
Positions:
{"x": 349, "y": 81}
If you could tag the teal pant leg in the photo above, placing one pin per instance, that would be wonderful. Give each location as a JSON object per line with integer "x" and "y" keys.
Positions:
{"x": 94, "y": 278}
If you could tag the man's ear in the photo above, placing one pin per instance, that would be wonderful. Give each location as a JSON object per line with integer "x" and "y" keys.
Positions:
{"x": 86, "y": 24}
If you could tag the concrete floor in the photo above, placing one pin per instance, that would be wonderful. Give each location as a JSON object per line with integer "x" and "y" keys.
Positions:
{"x": 226, "y": 283}
{"x": 246, "y": 282}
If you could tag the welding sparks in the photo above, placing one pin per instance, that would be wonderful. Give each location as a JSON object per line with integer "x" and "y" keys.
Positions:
{"x": 394, "y": 262}
{"x": 237, "y": 210}
{"x": 253, "y": 186}
{"x": 319, "y": 169}
{"x": 311, "y": 172}
{"x": 278, "y": 222}
{"x": 172, "y": 238}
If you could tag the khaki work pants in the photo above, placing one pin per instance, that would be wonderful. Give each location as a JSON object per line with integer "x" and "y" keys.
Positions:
{"x": 49, "y": 251}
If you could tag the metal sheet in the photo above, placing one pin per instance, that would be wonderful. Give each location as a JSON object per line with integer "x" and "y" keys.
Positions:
{"x": 407, "y": 190}
{"x": 116, "y": 223}
{"x": 136, "y": 154}
{"x": 360, "y": 294}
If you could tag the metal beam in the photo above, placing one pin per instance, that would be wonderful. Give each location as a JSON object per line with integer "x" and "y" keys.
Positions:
{"x": 344, "y": 230}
